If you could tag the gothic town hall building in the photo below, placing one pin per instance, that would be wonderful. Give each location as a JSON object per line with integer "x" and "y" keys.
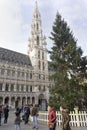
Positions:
{"x": 25, "y": 78}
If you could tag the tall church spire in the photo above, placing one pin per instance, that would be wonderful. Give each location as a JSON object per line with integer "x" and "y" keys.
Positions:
{"x": 37, "y": 42}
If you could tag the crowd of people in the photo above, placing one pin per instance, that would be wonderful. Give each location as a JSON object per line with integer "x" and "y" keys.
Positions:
{"x": 26, "y": 111}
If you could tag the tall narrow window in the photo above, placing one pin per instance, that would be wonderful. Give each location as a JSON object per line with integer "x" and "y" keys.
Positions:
{"x": 38, "y": 54}
{"x": 18, "y": 87}
{"x": 43, "y": 55}
{"x": 43, "y": 66}
{"x": 22, "y": 74}
{"x": 30, "y": 88}
{"x": 26, "y": 88}
{"x": 37, "y": 40}
{"x": 12, "y": 87}
{"x": 13, "y": 73}
{"x": 39, "y": 64}
{"x": 44, "y": 88}
{"x": 0, "y": 86}
{"x": 2, "y": 71}
{"x": 22, "y": 88}
{"x": 7, "y": 87}
{"x": 30, "y": 75}
{"x": 37, "y": 26}
{"x": 39, "y": 88}
{"x": 8, "y": 72}
{"x": 18, "y": 74}
{"x": 39, "y": 76}
{"x": 36, "y": 15}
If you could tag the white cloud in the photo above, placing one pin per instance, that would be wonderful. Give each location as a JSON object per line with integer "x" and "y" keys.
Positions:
{"x": 10, "y": 23}
{"x": 16, "y": 18}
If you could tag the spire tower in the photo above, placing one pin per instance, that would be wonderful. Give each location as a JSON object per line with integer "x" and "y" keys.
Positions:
{"x": 37, "y": 43}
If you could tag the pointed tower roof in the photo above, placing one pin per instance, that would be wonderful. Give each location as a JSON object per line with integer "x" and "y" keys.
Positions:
{"x": 36, "y": 6}
{"x": 36, "y": 10}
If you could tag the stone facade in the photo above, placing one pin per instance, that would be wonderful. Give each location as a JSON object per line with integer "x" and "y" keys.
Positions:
{"x": 25, "y": 78}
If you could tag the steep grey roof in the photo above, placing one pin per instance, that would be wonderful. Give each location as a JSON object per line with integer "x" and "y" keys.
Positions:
{"x": 14, "y": 57}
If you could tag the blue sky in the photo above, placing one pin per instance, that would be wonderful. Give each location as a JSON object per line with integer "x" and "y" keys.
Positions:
{"x": 16, "y": 19}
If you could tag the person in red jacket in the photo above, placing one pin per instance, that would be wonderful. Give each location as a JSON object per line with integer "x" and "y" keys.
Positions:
{"x": 51, "y": 117}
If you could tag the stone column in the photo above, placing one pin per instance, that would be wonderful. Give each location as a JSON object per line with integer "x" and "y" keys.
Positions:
{"x": 9, "y": 101}
{"x": 3, "y": 88}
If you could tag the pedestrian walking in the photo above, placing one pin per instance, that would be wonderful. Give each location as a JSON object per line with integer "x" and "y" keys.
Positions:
{"x": 26, "y": 113}
{"x": 6, "y": 113}
{"x": 17, "y": 122}
{"x": 65, "y": 119}
{"x": 51, "y": 117}
{"x": 0, "y": 113}
{"x": 18, "y": 110}
{"x": 34, "y": 114}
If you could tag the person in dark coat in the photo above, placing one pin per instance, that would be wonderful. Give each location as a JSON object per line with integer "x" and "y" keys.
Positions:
{"x": 26, "y": 113}
{"x": 17, "y": 121}
{"x": 18, "y": 110}
{"x": 34, "y": 114}
{"x": 0, "y": 113}
{"x": 6, "y": 113}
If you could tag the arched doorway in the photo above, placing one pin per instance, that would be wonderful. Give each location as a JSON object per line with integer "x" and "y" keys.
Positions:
{"x": 17, "y": 102}
{"x": 13, "y": 102}
{"x": 6, "y": 100}
{"x": 42, "y": 102}
{"x": 33, "y": 100}
{"x": 28, "y": 100}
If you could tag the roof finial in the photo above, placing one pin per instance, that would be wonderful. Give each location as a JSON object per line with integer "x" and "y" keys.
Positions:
{"x": 36, "y": 7}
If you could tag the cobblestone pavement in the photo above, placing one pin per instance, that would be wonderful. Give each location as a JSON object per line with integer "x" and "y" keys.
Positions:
{"x": 10, "y": 125}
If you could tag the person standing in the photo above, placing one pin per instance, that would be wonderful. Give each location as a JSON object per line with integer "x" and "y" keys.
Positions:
{"x": 17, "y": 122}
{"x": 0, "y": 114}
{"x": 65, "y": 119}
{"x": 18, "y": 110}
{"x": 26, "y": 113}
{"x": 6, "y": 113}
{"x": 51, "y": 117}
{"x": 34, "y": 114}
